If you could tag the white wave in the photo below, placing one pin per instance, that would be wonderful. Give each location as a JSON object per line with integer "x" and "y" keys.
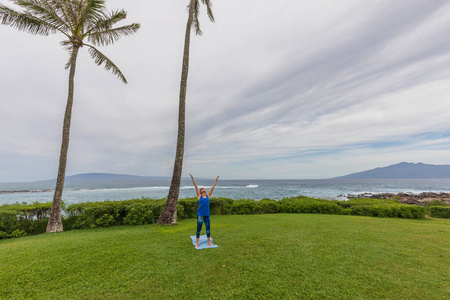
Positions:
{"x": 252, "y": 186}
{"x": 150, "y": 188}
{"x": 143, "y": 188}
{"x": 186, "y": 187}
{"x": 229, "y": 187}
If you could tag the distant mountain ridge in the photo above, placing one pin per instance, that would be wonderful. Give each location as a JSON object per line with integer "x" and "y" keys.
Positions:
{"x": 403, "y": 170}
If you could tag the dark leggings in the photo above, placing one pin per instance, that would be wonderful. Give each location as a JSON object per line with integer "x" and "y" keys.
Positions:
{"x": 200, "y": 221}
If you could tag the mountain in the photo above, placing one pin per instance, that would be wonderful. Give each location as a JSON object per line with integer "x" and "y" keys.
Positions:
{"x": 403, "y": 170}
{"x": 106, "y": 177}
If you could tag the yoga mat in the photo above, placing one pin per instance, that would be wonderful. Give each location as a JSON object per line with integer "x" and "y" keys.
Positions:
{"x": 203, "y": 242}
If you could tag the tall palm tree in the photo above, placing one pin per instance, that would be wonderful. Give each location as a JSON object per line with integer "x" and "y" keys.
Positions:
{"x": 78, "y": 20}
{"x": 169, "y": 214}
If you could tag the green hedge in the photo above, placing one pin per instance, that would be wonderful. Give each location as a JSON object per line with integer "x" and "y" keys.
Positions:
{"x": 218, "y": 206}
{"x": 21, "y": 219}
{"x": 440, "y": 212}
{"x": 268, "y": 206}
{"x": 310, "y": 205}
{"x": 113, "y": 213}
{"x": 392, "y": 211}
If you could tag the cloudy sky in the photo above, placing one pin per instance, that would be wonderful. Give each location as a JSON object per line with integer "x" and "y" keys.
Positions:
{"x": 277, "y": 89}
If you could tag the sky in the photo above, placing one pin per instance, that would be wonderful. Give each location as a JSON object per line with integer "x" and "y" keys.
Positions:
{"x": 276, "y": 90}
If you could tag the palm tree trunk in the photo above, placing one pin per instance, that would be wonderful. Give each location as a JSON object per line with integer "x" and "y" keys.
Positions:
{"x": 54, "y": 222}
{"x": 169, "y": 214}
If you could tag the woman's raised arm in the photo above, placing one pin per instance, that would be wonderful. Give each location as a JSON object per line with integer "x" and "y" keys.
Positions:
{"x": 196, "y": 187}
{"x": 212, "y": 188}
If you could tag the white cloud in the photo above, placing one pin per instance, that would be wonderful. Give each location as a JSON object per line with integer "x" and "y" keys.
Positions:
{"x": 290, "y": 89}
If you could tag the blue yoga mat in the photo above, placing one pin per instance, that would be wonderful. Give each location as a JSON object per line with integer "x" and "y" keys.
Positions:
{"x": 203, "y": 242}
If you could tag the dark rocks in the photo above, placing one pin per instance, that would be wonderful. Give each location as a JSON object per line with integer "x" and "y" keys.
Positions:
{"x": 25, "y": 191}
{"x": 407, "y": 198}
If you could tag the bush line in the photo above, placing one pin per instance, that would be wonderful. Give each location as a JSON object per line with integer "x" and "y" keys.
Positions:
{"x": 23, "y": 219}
{"x": 440, "y": 212}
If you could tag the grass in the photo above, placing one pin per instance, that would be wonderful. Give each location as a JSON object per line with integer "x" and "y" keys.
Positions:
{"x": 281, "y": 256}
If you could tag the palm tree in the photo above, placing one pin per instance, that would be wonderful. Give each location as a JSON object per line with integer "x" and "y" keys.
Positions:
{"x": 78, "y": 20}
{"x": 169, "y": 214}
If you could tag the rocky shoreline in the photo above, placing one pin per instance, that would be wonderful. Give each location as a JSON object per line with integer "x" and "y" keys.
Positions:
{"x": 406, "y": 198}
{"x": 26, "y": 191}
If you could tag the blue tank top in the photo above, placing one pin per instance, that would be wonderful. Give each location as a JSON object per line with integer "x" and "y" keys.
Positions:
{"x": 203, "y": 206}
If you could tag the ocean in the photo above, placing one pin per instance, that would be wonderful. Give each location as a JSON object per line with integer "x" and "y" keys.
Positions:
{"x": 235, "y": 189}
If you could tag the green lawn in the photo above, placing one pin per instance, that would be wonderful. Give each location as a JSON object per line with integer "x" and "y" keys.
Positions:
{"x": 279, "y": 256}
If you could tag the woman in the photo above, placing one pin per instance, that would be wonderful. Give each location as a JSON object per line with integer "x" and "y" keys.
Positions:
{"x": 203, "y": 210}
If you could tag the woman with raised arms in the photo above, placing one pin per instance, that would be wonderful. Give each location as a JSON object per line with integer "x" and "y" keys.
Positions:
{"x": 203, "y": 212}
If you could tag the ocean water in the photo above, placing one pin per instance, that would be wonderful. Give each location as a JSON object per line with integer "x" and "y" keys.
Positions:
{"x": 235, "y": 189}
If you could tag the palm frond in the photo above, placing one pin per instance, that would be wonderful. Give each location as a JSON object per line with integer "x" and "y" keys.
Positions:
{"x": 109, "y": 36}
{"x": 208, "y": 4}
{"x": 55, "y": 16}
{"x": 71, "y": 17}
{"x": 25, "y": 21}
{"x": 109, "y": 20}
{"x": 68, "y": 9}
{"x": 46, "y": 11}
{"x": 68, "y": 46}
{"x": 90, "y": 11}
{"x": 100, "y": 59}
{"x": 195, "y": 21}
{"x": 68, "y": 16}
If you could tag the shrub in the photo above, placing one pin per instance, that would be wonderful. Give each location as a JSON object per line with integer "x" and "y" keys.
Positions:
{"x": 18, "y": 233}
{"x": 346, "y": 211}
{"x": 244, "y": 207}
{"x": 392, "y": 211}
{"x": 268, "y": 206}
{"x": 102, "y": 214}
{"x": 309, "y": 205}
{"x": 440, "y": 212}
{"x": 23, "y": 219}
{"x": 139, "y": 214}
{"x": 113, "y": 213}
{"x": 221, "y": 206}
{"x": 374, "y": 210}
{"x": 180, "y": 212}
{"x": 189, "y": 206}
